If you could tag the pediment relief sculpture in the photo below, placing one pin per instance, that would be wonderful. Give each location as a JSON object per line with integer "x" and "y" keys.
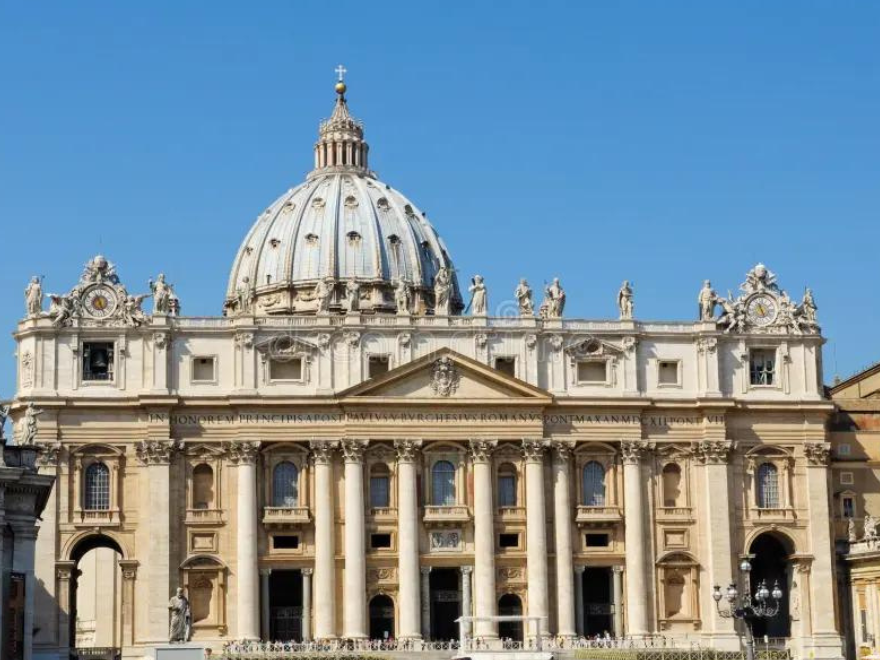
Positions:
{"x": 589, "y": 347}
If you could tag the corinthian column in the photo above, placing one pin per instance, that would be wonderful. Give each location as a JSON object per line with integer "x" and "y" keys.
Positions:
{"x": 244, "y": 454}
{"x": 484, "y": 539}
{"x": 536, "y": 533}
{"x": 354, "y": 607}
{"x": 821, "y": 576}
{"x": 562, "y": 527}
{"x": 325, "y": 550}
{"x": 155, "y": 456}
{"x": 408, "y": 539}
{"x": 635, "y": 538}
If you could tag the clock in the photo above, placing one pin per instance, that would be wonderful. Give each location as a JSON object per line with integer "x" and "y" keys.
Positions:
{"x": 761, "y": 310}
{"x": 99, "y": 301}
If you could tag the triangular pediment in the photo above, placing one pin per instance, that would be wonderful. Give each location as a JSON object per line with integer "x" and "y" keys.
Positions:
{"x": 445, "y": 375}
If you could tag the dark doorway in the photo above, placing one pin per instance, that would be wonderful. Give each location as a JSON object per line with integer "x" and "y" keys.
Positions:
{"x": 381, "y": 618}
{"x": 445, "y": 603}
{"x": 770, "y": 564}
{"x": 285, "y": 606}
{"x": 510, "y": 605}
{"x": 597, "y": 601}
{"x": 97, "y": 561}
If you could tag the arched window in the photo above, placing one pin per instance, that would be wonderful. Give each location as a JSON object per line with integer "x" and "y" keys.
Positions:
{"x": 443, "y": 483}
{"x": 285, "y": 485}
{"x": 506, "y": 485}
{"x": 97, "y": 488}
{"x": 768, "y": 486}
{"x": 380, "y": 487}
{"x": 203, "y": 487}
{"x": 671, "y": 485}
{"x": 594, "y": 484}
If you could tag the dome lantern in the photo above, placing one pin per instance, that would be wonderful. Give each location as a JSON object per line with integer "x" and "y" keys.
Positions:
{"x": 341, "y": 146}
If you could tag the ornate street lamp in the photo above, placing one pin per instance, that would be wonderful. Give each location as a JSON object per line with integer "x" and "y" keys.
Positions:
{"x": 763, "y": 604}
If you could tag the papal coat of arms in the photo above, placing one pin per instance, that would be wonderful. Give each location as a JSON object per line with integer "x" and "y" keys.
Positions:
{"x": 444, "y": 377}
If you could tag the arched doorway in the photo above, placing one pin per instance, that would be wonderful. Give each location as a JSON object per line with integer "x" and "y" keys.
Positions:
{"x": 771, "y": 564}
{"x": 510, "y": 605}
{"x": 381, "y": 617}
{"x": 96, "y": 586}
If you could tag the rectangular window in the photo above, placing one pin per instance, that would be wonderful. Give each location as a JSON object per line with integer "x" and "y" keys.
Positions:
{"x": 847, "y": 478}
{"x": 508, "y": 540}
{"x": 380, "y": 495}
{"x": 848, "y": 504}
{"x": 507, "y": 490}
{"x": 592, "y": 371}
{"x": 97, "y": 360}
{"x": 762, "y": 367}
{"x": 378, "y": 365}
{"x": 667, "y": 372}
{"x": 596, "y": 540}
{"x": 506, "y": 365}
{"x": 286, "y": 369}
{"x": 285, "y": 542}
{"x": 843, "y": 449}
{"x": 380, "y": 540}
{"x": 203, "y": 369}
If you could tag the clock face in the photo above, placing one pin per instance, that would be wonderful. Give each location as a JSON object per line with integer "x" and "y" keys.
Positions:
{"x": 99, "y": 302}
{"x": 762, "y": 310}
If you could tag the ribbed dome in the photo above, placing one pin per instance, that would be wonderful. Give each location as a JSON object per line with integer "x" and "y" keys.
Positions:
{"x": 342, "y": 224}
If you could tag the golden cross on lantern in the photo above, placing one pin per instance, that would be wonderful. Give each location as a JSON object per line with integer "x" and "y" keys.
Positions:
{"x": 341, "y": 71}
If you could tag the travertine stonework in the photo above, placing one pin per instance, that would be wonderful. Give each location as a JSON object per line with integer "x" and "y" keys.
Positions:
{"x": 342, "y": 454}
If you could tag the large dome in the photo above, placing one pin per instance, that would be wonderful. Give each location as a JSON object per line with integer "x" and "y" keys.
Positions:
{"x": 341, "y": 225}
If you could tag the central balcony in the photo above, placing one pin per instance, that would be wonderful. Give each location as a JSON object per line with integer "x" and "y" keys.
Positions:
{"x": 446, "y": 514}
{"x": 196, "y": 517}
{"x": 286, "y": 515}
{"x": 591, "y": 515}
{"x": 96, "y": 518}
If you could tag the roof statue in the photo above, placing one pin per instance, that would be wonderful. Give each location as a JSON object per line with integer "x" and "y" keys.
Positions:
{"x": 342, "y": 225}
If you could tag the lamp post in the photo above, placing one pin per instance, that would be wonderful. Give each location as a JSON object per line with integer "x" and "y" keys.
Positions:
{"x": 747, "y": 606}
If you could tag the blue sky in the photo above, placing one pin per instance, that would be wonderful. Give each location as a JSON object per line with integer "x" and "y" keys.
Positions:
{"x": 660, "y": 142}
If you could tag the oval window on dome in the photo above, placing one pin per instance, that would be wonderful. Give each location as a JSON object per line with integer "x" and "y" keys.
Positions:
{"x": 383, "y": 204}
{"x": 351, "y": 201}
{"x": 275, "y": 242}
{"x": 288, "y": 207}
{"x": 394, "y": 239}
{"x": 353, "y": 238}
{"x": 311, "y": 239}
{"x": 318, "y": 203}
{"x": 408, "y": 210}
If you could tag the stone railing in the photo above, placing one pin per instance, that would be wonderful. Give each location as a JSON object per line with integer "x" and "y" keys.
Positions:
{"x": 203, "y": 517}
{"x": 96, "y": 518}
{"x": 591, "y": 514}
{"x": 770, "y": 514}
{"x": 286, "y": 515}
{"x": 383, "y": 512}
{"x": 678, "y": 512}
{"x": 512, "y": 513}
{"x": 446, "y": 513}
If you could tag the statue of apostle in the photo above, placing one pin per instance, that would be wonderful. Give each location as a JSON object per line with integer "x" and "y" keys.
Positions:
{"x": 625, "y": 301}
{"x": 33, "y": 297}
{"x": 479, "y": 296}
{"x": 179, "y": 626}
{"x": 523, "y": 295}
{"x": 442, "y": 287}
{"x": 707, "y": 301}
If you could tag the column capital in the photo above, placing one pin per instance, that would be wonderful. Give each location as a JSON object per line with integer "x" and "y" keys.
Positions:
{"x": 307, "y": 572}
{"x": 129, "y": 568}
{"x": 322, "y": 451}
{"x": 64, "y": 569}
{"x": 50, "y": 453}
{"x": 712, "y": 452}
{"x": 353, "y": 450}
{"x": 617, "y": 569}
{"x": 817, "y": 453}
{"x": 407, "y": 450}
{"x": 631, "y": 451}
{"x": 424, "y": 570}
{"x": 243, "y": 452}
{"x": 467, "y": 570}
{"x": 265, "y": 572}
{"x": 481, "y": 450}
{"x": 562, "y": 450}
{"x": 157, "y": 452}
{"x": 580, "y": 569}
{"x": 533, "y": 449}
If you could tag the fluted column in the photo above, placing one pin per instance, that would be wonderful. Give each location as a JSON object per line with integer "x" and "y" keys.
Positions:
{"x": 408, "y": 539}
{"x": 485, "y": 603}
{"x": 565, "y": 617}
{"x": 354, "y": 607}
{"x": 425, "y": 572}
{"x": 307, "y": 604}
{"x": 821, "y": 576}
{"x": 536, "y": 534}
{"x": 155, "y": 456}
{"x": 636, "y": 540}
{"x": 244, "y": 455}
{"x": 325, "y": 550}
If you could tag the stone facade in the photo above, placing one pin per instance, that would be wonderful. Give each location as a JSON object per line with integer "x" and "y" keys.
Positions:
{"x": 336, "y": 470}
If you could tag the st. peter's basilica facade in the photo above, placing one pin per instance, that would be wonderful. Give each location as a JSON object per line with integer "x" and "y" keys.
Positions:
{"x": 359, "y": 447}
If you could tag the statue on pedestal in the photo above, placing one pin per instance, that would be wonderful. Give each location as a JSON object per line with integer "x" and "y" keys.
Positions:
{"x": 353, "y": 295}
{"x": 707, "y": 300}
{"x": 402, "y": 296}
{"x": 30, "y": 424}
{"x": 808, "y": 308}
{"x": 33, "y": 296}
{"x": 244, "y": 295}
{"x": 180, "y": 625}
{"x": 554, "y": 301}
{"x": 324, "y": 294}
{"x": 523, "y": 295}
{"x": 442, "y": 287}
{"x": 162, "y": 295}
{"x": 479, "y": 296}
{"x": 625, "y": 301}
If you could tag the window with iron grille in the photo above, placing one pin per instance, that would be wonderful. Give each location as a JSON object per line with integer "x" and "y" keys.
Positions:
{"x": 762, "y": 367}
{"x": 97, "y": 488}
{"x": 768, "y": 486}
{"x": 285, "y": 485}
{"x": 594, "y": 484}
{"x": 443, "y": 483}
